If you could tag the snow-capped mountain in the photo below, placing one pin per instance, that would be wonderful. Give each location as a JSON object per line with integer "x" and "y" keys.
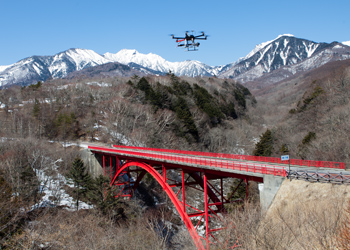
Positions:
{"x": 287, "y": 52}
{"x": 286, "y": 55}
{"x": 157, "y": 63}
{"x": 40, "y": 68}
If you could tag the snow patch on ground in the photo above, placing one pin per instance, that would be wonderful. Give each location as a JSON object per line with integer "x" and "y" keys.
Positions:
{"x": 99, "y": 84}
{"x": 51, "y": 185}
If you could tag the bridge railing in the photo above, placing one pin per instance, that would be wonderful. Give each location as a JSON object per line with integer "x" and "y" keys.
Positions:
{"x": 209, "y": 162}
{"x": 293, "y": 162}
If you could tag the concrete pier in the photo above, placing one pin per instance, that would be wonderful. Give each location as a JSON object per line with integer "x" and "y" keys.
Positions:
{"x": 269, "y": 189}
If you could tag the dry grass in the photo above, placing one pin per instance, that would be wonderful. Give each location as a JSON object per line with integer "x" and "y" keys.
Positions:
{"x": 303, "y": 216}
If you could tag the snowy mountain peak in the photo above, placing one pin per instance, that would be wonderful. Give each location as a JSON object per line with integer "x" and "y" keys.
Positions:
{"x": 284, "y": 52}
{"x": 126, "y": 56}
{"x": 159, "y": 64}
{"x": 290, "y": 35}
{"x": 263, "y": 45}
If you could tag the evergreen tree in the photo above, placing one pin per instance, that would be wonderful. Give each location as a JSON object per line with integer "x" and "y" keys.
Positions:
{"x": 184, "y": 114}
{"x": 265, "y": 146}
{"x": 36, "y": 108}
{"x": 81, "y": 179}
{"x": 103, "y": 195}
{"x": 206, "y": 102}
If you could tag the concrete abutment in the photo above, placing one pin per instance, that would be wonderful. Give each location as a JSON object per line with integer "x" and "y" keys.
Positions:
{"x": 268, "y": 190}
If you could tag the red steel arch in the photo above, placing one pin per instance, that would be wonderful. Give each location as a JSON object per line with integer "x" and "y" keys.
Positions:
{"x": 166, "y": 187}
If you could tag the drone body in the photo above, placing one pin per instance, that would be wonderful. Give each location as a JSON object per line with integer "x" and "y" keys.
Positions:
{"x": 188, "y": 41}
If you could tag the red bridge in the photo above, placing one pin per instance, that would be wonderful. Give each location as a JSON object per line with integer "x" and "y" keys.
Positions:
{"x": 202, "y": 171}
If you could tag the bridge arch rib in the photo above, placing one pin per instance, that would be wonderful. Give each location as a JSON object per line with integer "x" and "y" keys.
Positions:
{"x": 126, "y": 171}
{"x": 166, "y": 187}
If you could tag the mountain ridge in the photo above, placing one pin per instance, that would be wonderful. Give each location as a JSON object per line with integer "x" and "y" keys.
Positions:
{"x": 279, "y": 54}
{"x": 283, "y": 52}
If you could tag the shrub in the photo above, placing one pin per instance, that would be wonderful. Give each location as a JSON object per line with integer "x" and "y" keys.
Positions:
{"x": 240, "y": 98}
{"x": 308, "y": 138}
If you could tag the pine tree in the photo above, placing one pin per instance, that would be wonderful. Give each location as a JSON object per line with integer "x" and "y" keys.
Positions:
{"x": 265, "y": 146}
{"x": 81, "y": 179}
{"x": 103, "y": 195}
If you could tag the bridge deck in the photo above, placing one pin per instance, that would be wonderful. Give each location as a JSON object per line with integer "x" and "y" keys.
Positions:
{"x": 251, "y": 168}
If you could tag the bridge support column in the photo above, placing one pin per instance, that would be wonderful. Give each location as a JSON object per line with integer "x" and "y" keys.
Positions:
{"x": 206, "y": 210}
{"x": 183, "y": 190}
{"x": 268, "y": 190}
{"x": 104, "y": 165}
{"x": 93, "y": 165}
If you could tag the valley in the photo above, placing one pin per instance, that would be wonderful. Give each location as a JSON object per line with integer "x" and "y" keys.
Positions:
{"x": 288, "y": 96}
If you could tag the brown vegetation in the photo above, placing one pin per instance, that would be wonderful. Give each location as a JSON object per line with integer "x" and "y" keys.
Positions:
{"x": 314, "y": 103}
{"x": 302, "y": 216}
{"x": 61, "y": 229}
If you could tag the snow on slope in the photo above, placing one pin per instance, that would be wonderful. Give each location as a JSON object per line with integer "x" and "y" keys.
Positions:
{"x": 326, "y": 55}
{"x": 52, "y": 186}
{"x": 346, "y": 43}
{"x": 2, "y": 68}
{"x": 73, "y": 60}
{"x": 150, "y": 60}
{"x": 261, "y": 46}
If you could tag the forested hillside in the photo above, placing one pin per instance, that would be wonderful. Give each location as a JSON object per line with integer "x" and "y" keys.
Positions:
{"x": 154, "y": 111}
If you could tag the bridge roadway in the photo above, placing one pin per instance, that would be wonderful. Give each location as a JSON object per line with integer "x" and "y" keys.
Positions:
{"x": 255, "y": 169}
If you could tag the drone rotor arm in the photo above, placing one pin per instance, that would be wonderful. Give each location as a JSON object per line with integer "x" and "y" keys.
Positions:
{"x": 174, "y": 37}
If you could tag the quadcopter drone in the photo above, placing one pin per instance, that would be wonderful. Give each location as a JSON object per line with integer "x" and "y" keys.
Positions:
{"x": 188, "y": 41}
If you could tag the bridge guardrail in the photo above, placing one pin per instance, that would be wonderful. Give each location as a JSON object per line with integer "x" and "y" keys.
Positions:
{"x": 217, "y": 163}
{"x": 294, "y": 162}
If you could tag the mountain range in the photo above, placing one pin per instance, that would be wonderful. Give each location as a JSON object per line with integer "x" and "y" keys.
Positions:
{"x": 284, "y": 56}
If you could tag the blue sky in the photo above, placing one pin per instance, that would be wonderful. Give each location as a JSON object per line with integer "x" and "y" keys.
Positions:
{"x": 235, "y": 27}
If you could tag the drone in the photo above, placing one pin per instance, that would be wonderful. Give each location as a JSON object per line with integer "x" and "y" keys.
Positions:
{"x": 188, "y": 41}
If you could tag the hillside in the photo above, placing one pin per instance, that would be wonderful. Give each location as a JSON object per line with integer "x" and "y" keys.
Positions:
{"x": 310, "y": 112}
{"x": 164, "y": 111}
